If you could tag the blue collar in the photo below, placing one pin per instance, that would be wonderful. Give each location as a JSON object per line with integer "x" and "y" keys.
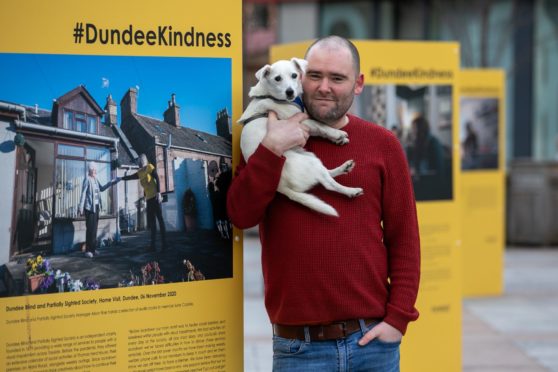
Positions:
{"x": 297, "y": 102}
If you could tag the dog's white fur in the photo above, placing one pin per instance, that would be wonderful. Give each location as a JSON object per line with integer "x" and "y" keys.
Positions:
{"x": 302, "y": 169}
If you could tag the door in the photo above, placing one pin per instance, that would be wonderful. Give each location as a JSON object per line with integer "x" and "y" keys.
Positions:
{"x": 24, "y": 195}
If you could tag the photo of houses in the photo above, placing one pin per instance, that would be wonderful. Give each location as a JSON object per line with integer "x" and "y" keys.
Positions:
{"x": 421, "y": 118}
{"x": 59, "y": 114}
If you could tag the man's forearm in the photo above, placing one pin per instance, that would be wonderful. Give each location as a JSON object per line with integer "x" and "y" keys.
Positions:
{"x": 254, "y": 187}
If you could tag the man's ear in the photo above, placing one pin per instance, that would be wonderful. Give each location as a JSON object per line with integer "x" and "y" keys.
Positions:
{"x": 263, "y": 72}
{"x": 300, "y": 64}
{"x": 359, "y": 84}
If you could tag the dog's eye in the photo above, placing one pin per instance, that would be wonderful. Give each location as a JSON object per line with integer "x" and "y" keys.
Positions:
{"x": 277, "y": 78}
{"x": 294, "y": 76}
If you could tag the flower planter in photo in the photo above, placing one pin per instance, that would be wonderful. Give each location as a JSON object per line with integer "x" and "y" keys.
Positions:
{"x": 34, "y": 282}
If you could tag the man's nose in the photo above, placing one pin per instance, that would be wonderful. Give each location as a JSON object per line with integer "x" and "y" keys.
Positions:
{"x": 324, "y": 85}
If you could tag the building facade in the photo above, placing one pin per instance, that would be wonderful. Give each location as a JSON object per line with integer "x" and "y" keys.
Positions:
{"x": 188, "y": 161}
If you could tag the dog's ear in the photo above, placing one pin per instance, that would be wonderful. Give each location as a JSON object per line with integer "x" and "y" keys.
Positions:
{"x": 300, "y": 64}
{"x": 263, "y": 72}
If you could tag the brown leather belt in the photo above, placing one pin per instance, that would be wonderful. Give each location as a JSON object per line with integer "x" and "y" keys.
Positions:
{"x": 321, "y": 332}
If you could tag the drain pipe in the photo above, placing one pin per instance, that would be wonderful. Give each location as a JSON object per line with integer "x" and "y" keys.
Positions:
{"x": 118, "y": 238}
{"x": 70, "y": 133}
{"x": 166, "y": 162}
{"x": 14, "y": 108}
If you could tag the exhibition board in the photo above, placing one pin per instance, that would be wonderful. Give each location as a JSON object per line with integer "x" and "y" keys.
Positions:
{"x": 482, "y": 138}
{"x": 174, "y": 68}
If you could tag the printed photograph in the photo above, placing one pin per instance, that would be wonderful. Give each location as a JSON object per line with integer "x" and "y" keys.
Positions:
{"x": 421, "y": 117}
{"x": 479, "y": 133}
{"x": 121, "y": 169}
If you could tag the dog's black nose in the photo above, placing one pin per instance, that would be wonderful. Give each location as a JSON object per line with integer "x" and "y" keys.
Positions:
{"x": 290, "y": 93}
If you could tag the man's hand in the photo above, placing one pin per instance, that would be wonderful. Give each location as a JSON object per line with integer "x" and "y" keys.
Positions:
{"x": 159, "y": 198}
{"x": 382, "y": 331}
{"x": 283, "y": 135}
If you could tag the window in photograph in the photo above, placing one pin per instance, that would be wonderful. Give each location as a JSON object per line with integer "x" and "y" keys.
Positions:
{"x": 71, "y": 170}
{"x": 80, "y": 122}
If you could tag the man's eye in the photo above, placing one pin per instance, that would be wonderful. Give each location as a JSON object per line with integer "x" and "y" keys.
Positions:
{"x": 277, "y": 78}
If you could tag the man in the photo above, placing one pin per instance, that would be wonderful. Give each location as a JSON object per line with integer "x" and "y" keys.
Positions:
{"x": 149, "y": 180}
{"x": 470, "y": 147}
{"x": 339, "y": 291}
{"x": 90, "y": 202}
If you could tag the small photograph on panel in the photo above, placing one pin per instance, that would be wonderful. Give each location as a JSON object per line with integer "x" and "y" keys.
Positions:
{"x": 421, "y": 117}
{"x": 120, "y": 169}
{"x": 479, "y": 133}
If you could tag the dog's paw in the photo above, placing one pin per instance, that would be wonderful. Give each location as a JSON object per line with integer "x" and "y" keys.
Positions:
{"x": 348, "y": 166}
{"x": 356, "y": 191}
{"x": 342, "y": 138}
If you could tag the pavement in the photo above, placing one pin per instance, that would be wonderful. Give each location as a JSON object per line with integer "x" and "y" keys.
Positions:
{"x": 517, "y": 331}
{"x": 205, "y": 249}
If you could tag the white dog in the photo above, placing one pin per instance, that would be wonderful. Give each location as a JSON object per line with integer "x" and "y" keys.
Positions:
{"x": 278, "y": 86}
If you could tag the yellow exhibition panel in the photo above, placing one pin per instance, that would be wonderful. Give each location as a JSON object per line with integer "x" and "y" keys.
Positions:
{"x": 404, "y": 79}
{"x": 175, "y": 326}
{"x": 482, "y": 138}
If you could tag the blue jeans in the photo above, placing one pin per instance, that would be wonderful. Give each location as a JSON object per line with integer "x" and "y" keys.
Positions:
{"x": 336, "y": 355}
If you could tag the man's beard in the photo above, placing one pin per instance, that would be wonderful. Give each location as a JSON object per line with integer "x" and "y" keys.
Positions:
{"x": 332, "y": 115}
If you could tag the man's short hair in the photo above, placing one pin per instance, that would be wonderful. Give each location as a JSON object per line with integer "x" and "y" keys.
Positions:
{"x": 339, "y": 41}
{"x": 92, "y": 166}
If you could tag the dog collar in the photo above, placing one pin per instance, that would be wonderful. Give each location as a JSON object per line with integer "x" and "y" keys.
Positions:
{"x": 257, "y": 116}
{"x": 297, "y": 102}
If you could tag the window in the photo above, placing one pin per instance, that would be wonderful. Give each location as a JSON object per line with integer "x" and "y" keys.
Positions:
{"x": 92, "y": 124}
{"x": 68, "y": 119}
{"x": 71, "y": 170}
{"x": 98, "y": 154}
{"x": 75, "y": 151}
{"x": 80, "y": 122}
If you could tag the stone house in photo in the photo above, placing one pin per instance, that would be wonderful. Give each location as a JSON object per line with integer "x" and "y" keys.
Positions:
{"x": 187, "y": 161}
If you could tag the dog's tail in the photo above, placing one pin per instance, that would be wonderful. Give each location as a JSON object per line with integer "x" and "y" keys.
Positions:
{"x": 310, "y": 201}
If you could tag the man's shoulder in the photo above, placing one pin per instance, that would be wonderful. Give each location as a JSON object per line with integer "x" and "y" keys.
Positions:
{"x": 146, "y": 170}
{"x": 368, "y": 126}
{"x": 374, "y": 134}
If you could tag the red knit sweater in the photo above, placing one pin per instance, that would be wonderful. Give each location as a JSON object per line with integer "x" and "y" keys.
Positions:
{"x": 319, "y": 269}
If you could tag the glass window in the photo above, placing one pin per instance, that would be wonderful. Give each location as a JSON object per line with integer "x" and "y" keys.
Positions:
{"x": 71, "y": 173}
{"x": 103, "y": 175}
{"x": 67, "y": 150}
{"x": 98, "y": 154}
{"x": 68, "y": 119}
{"x": 69, "y": 179}
{"x": 92, "y": 124}
{"x": 79, "y": 120}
